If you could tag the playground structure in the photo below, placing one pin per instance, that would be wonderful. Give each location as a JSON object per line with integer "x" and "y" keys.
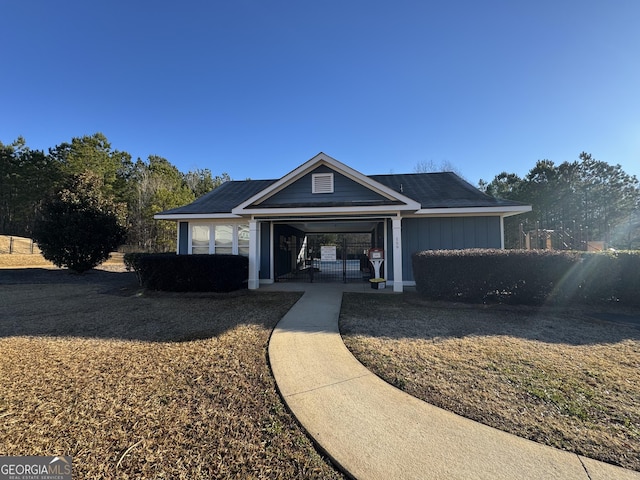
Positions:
{"x": 562, "y": 238}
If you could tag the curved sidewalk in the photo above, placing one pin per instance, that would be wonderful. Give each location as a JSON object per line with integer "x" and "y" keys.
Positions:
{"x": 375, "y": 431}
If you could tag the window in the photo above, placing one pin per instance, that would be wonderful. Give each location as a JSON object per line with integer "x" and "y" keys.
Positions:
{"x": 243, "y": 240}
{"x": 322, "y": 183}
{"x": 223, "y": 239}
{"x": 200, "y": 239}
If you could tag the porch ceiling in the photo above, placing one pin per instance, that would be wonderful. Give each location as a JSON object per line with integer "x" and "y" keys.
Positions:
{"x": 334, "y": 226}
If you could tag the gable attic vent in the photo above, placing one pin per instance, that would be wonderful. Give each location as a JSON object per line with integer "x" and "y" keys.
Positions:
{"x": 322, "y": 183}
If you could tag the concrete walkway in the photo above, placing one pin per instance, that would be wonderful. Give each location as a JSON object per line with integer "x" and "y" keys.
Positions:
{"x": 375, "y": 431}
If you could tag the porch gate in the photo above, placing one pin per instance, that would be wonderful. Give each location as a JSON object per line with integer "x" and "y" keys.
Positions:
{"x": 350, "y": 263}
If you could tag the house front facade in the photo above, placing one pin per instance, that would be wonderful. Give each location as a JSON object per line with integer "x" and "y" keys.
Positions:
{"x": 319, "y": 222}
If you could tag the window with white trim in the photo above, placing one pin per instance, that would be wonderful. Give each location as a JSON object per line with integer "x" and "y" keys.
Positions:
{"x": 243, "y": 240}
{"x": 322, "y": 183}
{"x": 200, "y": 239}
{"x": 220, "y": 238}
{"x": 223, "y": 239}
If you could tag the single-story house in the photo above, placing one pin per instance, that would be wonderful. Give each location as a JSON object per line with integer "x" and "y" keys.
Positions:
{"x": 324, "y": 216}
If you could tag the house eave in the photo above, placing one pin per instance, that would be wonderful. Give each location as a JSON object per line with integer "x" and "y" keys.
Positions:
{"x": 504, "y": 211}
{"x": 325, "y": 210}
{"x": 194, "y": 216}
{"x": 405, "y": 210}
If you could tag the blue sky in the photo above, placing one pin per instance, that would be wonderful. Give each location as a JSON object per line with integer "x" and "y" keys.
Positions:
{"x": 255, "y": 88}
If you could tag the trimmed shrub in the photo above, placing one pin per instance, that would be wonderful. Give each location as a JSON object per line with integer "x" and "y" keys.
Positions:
{"x": 527, "y": 277}
{"x": 628, "y": 286}
{"x": 189, "y": 273}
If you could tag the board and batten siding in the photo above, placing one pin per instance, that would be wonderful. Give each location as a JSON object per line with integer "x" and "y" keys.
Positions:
{"x": 344, "y": 190}
{"x": 446, "y": 233}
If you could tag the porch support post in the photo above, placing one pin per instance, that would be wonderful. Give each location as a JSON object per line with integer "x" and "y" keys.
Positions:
{"x": 178, "y": 237}
{"x": 254, "y": 275}
{"x": 397, "y": 253}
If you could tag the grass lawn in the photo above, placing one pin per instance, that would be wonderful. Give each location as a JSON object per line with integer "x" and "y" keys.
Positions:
{"x": 559, "y": 378}
{"x": 144, "y": 385}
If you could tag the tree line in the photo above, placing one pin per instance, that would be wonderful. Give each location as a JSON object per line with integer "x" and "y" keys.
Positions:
{"x": 139, "y": 188}
{"x": 585, "y": 200}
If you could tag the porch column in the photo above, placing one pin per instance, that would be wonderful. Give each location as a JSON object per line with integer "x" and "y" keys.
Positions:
{"x": 396, "y": 224}
{"x": 254, "y": 255}
{"x": 178, "y": 237}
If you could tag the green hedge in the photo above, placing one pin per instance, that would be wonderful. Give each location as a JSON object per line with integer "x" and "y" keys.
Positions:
{"x": 528, "y": 277}
{"x": 189, "y": 273}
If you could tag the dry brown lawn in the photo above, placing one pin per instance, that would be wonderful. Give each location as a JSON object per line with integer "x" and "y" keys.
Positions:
{"x": 560, "y": 378}
{"x": 36, "y": 260}
{"x": 144, "y": 385}
{"x": 17, "y": 260}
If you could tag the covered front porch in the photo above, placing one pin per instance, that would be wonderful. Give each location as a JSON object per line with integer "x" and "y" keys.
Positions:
{"x": 312, "y": 249}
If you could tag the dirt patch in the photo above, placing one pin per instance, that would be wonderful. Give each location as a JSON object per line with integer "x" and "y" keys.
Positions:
{"x": 133, "y": 385}
{"x": 557, "y": 377}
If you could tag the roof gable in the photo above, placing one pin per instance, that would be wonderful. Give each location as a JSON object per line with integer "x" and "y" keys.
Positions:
{"x": 340, "y": 191}
{"x": 351, "y": 189}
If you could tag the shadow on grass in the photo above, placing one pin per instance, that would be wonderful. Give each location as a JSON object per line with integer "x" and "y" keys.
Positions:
{"x": 59, "y": 276}
{"x": 103, "y": 304}
{"x": 410, "y": 316}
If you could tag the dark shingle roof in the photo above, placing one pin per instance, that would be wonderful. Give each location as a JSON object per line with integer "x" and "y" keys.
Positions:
{"x": 224, "y": 198}
{"x": 440, "y": 190}
{"x": 431, "y": 190}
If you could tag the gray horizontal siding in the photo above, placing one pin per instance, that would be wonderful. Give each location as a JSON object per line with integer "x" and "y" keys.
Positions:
{"x": 345, "y": 191}
{"x": 446, "y": 233}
